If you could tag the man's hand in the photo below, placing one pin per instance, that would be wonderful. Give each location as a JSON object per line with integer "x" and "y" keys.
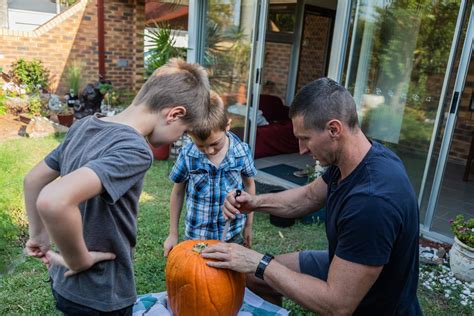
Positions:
{"x": 55, "y": 258}
{"x": 244, "y": 203}
{"x": 38, "y": 247}
{"x": 248, "y": 236}
{"x": 232, "y": 256}
{"x": 169, "y": 243}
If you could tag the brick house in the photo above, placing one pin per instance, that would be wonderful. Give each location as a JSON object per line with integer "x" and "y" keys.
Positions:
{"x": 73, "y": 36}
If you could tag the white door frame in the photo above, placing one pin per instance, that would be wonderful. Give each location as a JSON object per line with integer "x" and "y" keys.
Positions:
{"x": 439, "y": 113}
{"x": 197, "y": 32}
{"x": 339, "y": 40}
{"x": 451, "y": 120}
{"x": 255, "y": 73}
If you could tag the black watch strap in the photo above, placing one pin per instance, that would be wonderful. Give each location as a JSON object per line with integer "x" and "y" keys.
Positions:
{"x": 263, "y": 265}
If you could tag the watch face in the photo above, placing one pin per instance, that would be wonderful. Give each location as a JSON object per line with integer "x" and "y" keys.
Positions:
{"x": 263, "y": 265}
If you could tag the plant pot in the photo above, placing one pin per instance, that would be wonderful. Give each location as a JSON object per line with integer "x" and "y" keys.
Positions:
{"x": 161, "y": 152}
{"x": 24, "y": 118}
{"x": 318, "y": 216}
{"x": 281, "y": 221}
{"x": 461, "y": 261}
{"x": 66, "y": 119}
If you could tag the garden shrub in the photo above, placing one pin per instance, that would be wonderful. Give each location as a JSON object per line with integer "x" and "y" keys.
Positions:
{"x": 3, "y": 99}
{"x": 32, "y": 74}
{"x": 35, "y": 106}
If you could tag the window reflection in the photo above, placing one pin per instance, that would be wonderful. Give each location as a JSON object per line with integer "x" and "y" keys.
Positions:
{"x": 396, "y": 67}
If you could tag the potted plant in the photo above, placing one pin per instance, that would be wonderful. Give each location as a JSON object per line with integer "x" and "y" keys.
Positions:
{"x": 74, "y": 78}
{"x": 461, "y": 255}
{"x": 161, "y": 152}
{"x": 65, "y": 115}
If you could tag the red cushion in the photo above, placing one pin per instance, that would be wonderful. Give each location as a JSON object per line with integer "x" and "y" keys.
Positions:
{"x": 275, "y": 139}
{"x": 273, "y": 108}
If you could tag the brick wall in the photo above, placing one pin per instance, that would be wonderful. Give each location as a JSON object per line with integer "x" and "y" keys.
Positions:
{"x": 312, "y": 63}
{"x": 71, "y": 37}
{"x": 276, "y": 67}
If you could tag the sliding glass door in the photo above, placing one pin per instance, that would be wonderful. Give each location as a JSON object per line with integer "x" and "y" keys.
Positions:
{"x": 397, "y": 61}
{"x": 449, "y": 189}
{"x": 228, "y": 50}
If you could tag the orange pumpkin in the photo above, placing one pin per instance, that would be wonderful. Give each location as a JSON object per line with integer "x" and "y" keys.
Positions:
{"x": 197, "y": 289}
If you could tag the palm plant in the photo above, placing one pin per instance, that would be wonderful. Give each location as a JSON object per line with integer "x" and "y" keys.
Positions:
{"x": 162, "y": 47}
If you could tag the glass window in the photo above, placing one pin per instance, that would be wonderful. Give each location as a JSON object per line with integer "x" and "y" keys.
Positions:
{"x": 227, "y": 52}
{"x": 396, "y": 66}
{"x": 281, "y": 22}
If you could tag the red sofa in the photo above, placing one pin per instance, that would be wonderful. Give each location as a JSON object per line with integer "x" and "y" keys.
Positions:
{"x": 277, "y": 137}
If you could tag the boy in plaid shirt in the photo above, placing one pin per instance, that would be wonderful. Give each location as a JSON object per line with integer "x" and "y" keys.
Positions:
{"x": 207, "y": 169}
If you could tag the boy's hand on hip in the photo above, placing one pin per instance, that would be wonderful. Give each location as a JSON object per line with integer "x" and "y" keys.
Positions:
{"x": 55, "y": 258}
{"x": 169, "y": 243}
{"x": 38, "y": 247}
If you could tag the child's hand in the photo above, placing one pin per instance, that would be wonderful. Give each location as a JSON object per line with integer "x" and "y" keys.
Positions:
{"x": 55, "y": 258}
{"x": 248, "y": 236}
{"x": 170, "y": 242}
{"x": 38, "y": 247}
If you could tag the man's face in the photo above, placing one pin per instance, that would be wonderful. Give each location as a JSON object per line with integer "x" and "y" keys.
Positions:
{"x": 213, "y": 145}
{"x": 317, "y": 143}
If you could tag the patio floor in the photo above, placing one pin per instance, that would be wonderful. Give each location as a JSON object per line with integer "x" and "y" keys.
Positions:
{"x": 456, "y": 197}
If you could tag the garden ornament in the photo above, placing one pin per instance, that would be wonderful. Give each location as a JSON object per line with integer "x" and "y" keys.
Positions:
{"x": 91, "y": 99}
{"x": 54, "y": 104}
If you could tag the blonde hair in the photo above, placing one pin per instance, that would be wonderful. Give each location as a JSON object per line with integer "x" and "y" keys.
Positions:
{"x": 177, "y": 83}
{"x": 216, "y": 120}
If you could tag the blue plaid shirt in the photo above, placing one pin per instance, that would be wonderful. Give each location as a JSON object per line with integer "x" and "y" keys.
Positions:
{"x": 207, "y": 187}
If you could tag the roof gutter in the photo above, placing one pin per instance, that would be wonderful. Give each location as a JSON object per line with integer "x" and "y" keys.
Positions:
{"x": 101, "y": 37}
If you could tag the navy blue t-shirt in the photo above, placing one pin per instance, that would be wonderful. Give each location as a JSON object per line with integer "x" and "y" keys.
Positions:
{"x": 373, "y": 219}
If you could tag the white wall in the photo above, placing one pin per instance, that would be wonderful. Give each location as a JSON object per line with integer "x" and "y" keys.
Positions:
{"x": 21, "y": 20}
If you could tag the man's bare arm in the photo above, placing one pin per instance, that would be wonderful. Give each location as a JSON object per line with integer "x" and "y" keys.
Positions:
{"x": 295, "y": 202}
{"x": 347, "y": 284}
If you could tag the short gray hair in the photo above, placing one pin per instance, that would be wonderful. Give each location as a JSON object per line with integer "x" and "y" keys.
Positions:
{"x": 323, "y": 100}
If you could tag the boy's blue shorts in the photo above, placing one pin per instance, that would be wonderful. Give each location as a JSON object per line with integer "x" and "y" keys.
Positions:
{"x": 315, "y": 263}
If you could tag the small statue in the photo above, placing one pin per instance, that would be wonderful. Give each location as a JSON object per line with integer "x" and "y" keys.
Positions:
{"x": 90, "y": 101}
{"x": 54, "y": 104}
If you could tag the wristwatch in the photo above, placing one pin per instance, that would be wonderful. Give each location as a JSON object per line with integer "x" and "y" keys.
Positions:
{"x": 263, "y": 265}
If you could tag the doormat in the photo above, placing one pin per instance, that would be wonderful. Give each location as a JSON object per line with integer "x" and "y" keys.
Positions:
{"x": 262, "y": 188}
{"x": 285, "y": 172}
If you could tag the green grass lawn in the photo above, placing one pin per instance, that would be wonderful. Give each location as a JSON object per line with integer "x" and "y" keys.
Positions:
{"x": 24, "y": 288}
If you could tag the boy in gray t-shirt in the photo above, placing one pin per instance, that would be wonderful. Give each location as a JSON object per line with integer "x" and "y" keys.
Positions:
{"x": 84, "y": 195}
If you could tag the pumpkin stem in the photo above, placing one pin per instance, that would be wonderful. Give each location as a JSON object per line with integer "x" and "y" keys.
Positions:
{"x": 199, "y": 247}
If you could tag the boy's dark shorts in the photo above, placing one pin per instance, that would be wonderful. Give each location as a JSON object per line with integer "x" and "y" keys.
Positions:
{"x": 70, "y": 308}
{"x": 315, "y": 263}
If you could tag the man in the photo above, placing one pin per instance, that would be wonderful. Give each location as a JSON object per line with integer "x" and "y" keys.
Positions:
{"x": 372, "y": 225}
